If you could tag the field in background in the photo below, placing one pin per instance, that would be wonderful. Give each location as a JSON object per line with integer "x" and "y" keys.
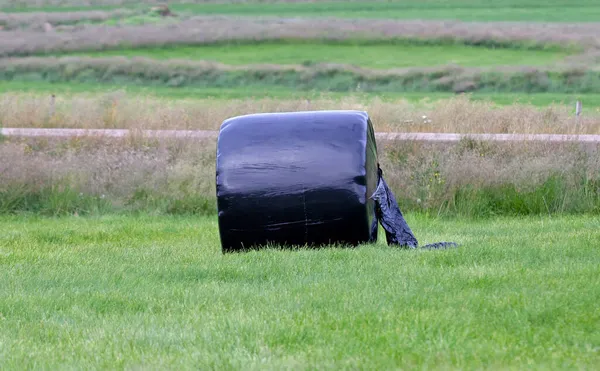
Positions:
{"x": 139, "y": 292}
{"x": 328, "y": 55}
{"x": 44, "y": 90}
{"x": 466, "y": 10}
{"x": 470, "y": 178}
{"x": 479, "y": 10}
{"x": 378, "y": 55}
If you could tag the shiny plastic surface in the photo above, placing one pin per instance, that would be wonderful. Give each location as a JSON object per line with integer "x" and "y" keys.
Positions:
{"x": 296, "y": 179}
{"x": 397, "y": 231}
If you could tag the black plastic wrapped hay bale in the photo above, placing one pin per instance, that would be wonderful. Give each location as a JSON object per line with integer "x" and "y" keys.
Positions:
{"x": 301, "y": 178}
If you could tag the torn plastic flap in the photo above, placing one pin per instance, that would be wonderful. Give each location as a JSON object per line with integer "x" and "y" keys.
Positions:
{"x": 397, "y": 231}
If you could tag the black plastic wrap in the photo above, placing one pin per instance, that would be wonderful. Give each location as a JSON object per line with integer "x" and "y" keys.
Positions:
{"x": 397, "y": 231}
{"x": 301, "y": 178}
{"x": 304, "y": 179}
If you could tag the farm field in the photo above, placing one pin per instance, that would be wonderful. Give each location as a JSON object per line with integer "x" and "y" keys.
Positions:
{"x": 378, "y": 55}
{"x": 479, "y": 10}
{"x": 344, "y": 55}
{"x": 138, "y": 292}
{"x": 110, "y": 252}
{"x": 71, "y": 90}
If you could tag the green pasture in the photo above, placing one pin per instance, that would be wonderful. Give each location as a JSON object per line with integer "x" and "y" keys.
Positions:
{"x": 377, "y": 55}
{"x": 224, "y": 94}
{"x": 120, "y": 292}
{"x": 341, "y": 79}
{"x": 466, "y": 10}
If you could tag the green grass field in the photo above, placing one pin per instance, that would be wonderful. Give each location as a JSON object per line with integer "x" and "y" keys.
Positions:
{"x": 129, "y": 289}
{"x": 377, "y": 55}
{"x": 120, "y": 292}
{"x": 466, "y": 10}
{"x": 70, "y": 89}
{"x": 523, "y": 54}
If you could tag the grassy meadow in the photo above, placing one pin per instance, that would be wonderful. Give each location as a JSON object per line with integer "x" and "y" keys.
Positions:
{"x": 193, "y": 49}
{"x": 465, "y": 10}
{"x": 109, "y": 250}
{"x": 369, "y": 55}
{"x": 68, "y": 91}
{"x": 120, "y": 292}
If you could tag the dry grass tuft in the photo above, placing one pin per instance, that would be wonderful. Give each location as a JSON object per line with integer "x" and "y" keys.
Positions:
{"x": 432, "y": 175}
{"x": 115, "y": 170}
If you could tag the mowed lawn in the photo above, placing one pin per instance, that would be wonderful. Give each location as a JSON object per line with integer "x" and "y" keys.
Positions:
{"x": 378, "y": 55}
{"x": 155, "y": 292}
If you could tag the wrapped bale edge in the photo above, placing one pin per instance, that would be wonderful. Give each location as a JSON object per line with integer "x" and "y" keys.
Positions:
{"x": 303, "y": 179}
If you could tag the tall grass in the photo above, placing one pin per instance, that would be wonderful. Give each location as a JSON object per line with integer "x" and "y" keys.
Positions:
{"x": 87, "y": 175}
{"x": 177, "y": 176}
{"x": 483, "y": 179}
{"x": 120, "y": 110}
